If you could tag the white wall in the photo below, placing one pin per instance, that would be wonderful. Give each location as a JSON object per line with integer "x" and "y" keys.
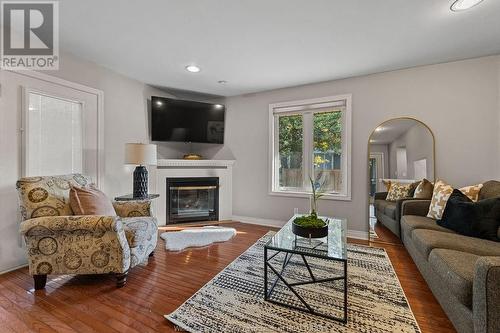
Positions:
{"x": 459, "y": 101}
{"x": 418, "y": 143}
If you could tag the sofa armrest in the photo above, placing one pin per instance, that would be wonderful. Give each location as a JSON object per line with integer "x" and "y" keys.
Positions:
{"x": 486, "y": 295}
{"x": 380, "y": 195}
{"x": 419, "y": 207}
{"x": 50, "y": 225}
{"x": 133, "y": 208}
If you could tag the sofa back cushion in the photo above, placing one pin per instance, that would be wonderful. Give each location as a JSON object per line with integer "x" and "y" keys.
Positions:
{"x": 87, "y": 200}
{"x": 47, "y": 196}
{"x": 490, "y": 189}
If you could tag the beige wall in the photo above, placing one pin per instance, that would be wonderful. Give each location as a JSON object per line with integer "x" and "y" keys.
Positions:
{"x": 459, "y": 101}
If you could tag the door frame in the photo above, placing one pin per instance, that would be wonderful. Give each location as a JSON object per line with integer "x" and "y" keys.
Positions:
{"x": 379, "y": 157}
{"x": 76, "y": 86}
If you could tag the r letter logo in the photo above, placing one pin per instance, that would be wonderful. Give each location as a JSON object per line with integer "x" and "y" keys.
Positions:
{"x": 30, "y": 35}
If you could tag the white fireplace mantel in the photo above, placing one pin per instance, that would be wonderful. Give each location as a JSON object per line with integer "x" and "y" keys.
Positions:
{"x": 167, "y": 168}
{"x": 194, "y": 163}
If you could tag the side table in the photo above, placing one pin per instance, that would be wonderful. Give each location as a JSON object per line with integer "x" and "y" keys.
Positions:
{"x": 130, "y": 197}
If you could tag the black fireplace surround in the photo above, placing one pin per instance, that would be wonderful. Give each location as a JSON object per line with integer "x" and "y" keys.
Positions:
{"x": 192, "y": 199}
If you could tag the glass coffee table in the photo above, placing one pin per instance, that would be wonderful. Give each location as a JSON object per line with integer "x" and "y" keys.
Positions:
{"x": 333, "y": 247}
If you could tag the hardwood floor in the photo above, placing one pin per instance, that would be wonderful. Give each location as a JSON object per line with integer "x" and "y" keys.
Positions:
{"x": 385, "y": 235}
{"x": 94, "y": 304}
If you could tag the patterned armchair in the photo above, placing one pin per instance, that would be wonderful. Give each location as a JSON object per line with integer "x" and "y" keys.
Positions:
{"x": 60, "y": 243}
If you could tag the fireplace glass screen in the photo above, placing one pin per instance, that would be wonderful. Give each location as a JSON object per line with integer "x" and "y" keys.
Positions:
{"x": 192, "y": 199}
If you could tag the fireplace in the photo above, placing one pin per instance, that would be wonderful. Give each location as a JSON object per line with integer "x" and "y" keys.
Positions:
{"x": 192, "y": 199}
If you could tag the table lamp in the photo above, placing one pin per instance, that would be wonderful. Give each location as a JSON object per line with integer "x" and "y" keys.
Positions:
{"x": 140, "y": 154}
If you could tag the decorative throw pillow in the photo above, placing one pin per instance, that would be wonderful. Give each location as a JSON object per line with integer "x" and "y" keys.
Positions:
{"x": 472, "y": 192}
{"x": 398, "y": 191}
{"x": 387, "y": 184}
{"x": 413, "y": 187}
{"x": 475, "y": 219}
{"x": 90, "y": 201}
{"x": 440, "y": 195}
{"x": 424, "y": 190}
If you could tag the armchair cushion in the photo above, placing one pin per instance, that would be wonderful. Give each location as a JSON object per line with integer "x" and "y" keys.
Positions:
{"x": 47, "y": 196}
{"x": 133, "y": 208}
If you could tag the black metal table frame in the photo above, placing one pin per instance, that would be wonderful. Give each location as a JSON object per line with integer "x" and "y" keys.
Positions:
{"x": 279, "y": 276}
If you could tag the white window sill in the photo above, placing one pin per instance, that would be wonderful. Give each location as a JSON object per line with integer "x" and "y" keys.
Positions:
{"x": 297, "y": 194}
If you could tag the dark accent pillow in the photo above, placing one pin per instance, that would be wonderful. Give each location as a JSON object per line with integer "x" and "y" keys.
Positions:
{"x": 475, "y": 219}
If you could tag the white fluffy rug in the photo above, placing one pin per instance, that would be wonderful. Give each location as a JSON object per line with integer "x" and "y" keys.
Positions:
{"x": 196, "y": 237}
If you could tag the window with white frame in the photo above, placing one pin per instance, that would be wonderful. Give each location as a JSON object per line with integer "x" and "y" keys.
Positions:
{"x": 54, "y": 135}
{"x": 311, "y": 139}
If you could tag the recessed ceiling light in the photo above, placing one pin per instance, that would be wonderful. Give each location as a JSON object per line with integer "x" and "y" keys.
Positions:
{"x": 460, "y": 5}
{"x": 222, "y": 81}
{"x": 193, "y": 68}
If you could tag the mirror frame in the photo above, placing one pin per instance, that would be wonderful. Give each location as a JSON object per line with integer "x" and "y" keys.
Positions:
{"x": 368, "y": 159}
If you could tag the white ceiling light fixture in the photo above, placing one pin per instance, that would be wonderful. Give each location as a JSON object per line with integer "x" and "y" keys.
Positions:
{"x": 460, "y": 5}
{"x": 193, "y": 68}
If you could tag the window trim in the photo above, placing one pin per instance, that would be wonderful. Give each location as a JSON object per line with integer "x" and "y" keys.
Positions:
{"x": 298, "y": 107}
{"x": 76, "y": 86}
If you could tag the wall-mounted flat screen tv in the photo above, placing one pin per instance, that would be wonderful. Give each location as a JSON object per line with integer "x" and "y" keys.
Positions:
{"x": 186, "y": 121}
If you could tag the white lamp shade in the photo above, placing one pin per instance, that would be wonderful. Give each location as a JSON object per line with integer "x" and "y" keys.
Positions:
{"x": 140, "y": 154}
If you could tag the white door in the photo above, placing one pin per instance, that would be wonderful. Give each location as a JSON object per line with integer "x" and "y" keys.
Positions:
{"x": 48, "y": 126}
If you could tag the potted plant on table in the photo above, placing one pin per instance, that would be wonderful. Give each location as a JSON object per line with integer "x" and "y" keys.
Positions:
{"x": 311, "y": 226}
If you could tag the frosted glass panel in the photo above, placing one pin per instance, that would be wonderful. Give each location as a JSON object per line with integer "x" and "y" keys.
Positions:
{"x": 54, "y": 138}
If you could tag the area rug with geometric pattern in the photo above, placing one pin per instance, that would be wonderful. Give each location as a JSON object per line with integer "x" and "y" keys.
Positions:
{"x": 233, "y": 301}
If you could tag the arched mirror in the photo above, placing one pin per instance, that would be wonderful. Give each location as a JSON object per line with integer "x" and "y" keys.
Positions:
{"x": 400, "y": 156}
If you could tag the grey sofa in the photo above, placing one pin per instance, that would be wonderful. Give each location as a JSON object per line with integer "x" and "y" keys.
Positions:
{"x": 462, "y": 272}
{"x": 389, "y": 212}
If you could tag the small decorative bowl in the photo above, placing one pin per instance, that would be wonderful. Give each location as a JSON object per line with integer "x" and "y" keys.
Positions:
{"x": 308, "y": 232}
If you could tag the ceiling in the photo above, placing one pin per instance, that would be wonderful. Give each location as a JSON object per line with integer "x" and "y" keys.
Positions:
{"x": 391, "y": 130}
{"x": 258, "y": 45}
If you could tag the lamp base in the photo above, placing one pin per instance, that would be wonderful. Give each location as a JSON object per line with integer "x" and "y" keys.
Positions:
{"x": 140, "y": 182}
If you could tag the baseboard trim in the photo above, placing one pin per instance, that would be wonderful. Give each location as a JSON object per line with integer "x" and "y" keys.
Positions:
{"x": 13, "y": 269}
{"x": 356, "y": 234}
